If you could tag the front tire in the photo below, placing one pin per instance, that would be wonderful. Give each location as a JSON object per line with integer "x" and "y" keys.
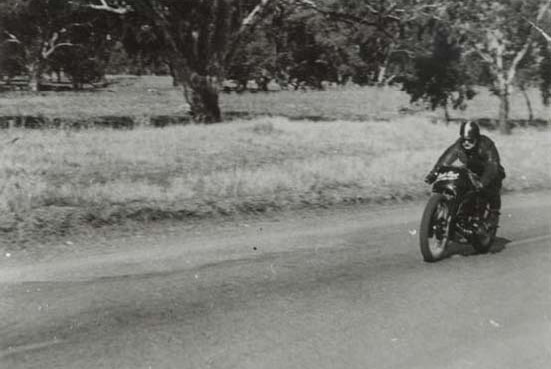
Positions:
{"x": 434, "y": 230}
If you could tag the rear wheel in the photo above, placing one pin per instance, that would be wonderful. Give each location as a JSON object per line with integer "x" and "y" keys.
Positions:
{"x": 434, "y": 231}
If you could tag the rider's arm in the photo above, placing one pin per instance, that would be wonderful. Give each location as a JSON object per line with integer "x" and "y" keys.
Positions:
{"x": 491, "y": 166}
{"x": 448, "y": 157}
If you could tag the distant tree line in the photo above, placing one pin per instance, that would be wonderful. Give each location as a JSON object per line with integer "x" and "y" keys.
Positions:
{"x": 436, "y": 50}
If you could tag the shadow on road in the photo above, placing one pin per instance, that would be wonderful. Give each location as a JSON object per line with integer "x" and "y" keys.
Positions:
{"x": 465, "y": 249}
{"x": 499, "y": 245}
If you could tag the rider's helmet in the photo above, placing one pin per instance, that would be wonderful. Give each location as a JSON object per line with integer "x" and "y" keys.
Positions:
{"x": 469, "y": 133}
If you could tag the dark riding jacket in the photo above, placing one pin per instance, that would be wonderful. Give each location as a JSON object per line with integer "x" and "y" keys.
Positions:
{"x": 482, "y": 160}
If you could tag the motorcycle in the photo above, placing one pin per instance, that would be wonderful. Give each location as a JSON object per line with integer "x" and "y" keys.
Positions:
{"x": 455, "y": 212}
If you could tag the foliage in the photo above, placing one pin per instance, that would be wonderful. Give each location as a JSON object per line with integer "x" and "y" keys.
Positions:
{"x": 298, "y": 47}
{"x": 434, "y": 47}
{"x": 384, "y": 35}
{"x": 55, "y": 35}
{"x": 441, "y": 77}
{"x": 312, "y": 53}
{"x": 254, "y": 59}
{"x": 11, "y": 60}
{"x": 200, "y": 37}
{"x": 500, "y": 35}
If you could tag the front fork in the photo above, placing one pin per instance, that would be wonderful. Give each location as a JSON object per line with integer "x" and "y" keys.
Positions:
{"x": 443, "y": 225}
{"x": 454, "y": 229}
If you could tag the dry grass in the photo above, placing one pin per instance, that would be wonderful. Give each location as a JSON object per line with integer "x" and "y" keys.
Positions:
{"x": 54, "y": 180}
{"x": 140, "y": 98}
{"x": 338, "y": 103}
{"x": 127, "y": 96}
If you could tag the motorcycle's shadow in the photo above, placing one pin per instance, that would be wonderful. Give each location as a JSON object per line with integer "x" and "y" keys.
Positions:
{"x": 465, "y": 249}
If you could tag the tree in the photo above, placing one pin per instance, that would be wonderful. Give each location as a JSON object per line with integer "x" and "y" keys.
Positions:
{"x": 497, "y": 32}
{"x": 312, "y": 50}
{"x": 384, "y": 32}
{"x": 144, "y": 45}
{"x": 545, "y": 52}
{"x": 299, "y": 47}
{"x": 201, "y": 38}
{"x": 37, "y": 28}
{"x": 87, "y": 60}
{"x": 441, "y": 77}
{"x": 43, "y": 30}
{"x": 254, "y": 59}
{"x": 11, "y": 61}
{"x": 545, "y": 74}
{"x": 546, "y": 35}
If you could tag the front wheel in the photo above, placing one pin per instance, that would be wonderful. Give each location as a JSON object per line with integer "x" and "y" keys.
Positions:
{"x": 435, "y": 226}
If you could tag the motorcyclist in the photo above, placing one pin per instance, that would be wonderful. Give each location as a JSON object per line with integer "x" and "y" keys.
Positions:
{"x": 478, "y": 153}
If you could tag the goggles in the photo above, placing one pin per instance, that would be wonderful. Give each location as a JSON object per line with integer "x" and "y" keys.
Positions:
{"x": 468, "y": 143}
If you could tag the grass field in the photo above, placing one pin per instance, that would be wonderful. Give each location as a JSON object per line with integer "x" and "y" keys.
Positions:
{"x": 144, "y": 97}
{"x": 54, "y": 181}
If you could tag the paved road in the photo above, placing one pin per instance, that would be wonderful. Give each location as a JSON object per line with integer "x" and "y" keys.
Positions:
{"x": 340, "y": 289}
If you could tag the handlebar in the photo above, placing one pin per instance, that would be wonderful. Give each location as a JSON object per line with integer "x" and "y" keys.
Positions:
{"x": 473, "y": 177}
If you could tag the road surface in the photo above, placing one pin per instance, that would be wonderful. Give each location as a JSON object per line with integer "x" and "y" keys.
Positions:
{"x": 345, "y": 288}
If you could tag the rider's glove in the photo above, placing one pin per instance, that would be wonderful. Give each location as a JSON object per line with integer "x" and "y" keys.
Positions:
{"x": 431, "y": 177}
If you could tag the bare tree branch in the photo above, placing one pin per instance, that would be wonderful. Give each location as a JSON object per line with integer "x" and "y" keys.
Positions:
{"x": 253, "y": 15}
{"x": 394, "y": 7}
{"x": 47, "y": 53}
{"x": 248, "y": 23}
{"x": 343, "y": 17}
{"x": 543, "y": 33}
{"x": 393, "y": 13}
{"x": 371, "y": 8}
{"x": 545, "y": 8}
{"x": 409, "y": 53}
{"x": 486, "y": 57}
{"x": 50, "y": 46}
{"x": 12, "y": 38}
{"x": 520, "y": 55}
{"x": 105, "y": 6}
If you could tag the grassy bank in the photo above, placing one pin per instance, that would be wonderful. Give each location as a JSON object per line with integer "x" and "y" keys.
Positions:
{"x": 333, "y": 147}
{"x": 141, "y": 98}
{"x": 54, "y": 181}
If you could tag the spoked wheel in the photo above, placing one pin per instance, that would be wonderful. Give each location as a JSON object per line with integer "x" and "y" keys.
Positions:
{"x": 434, "y": 231}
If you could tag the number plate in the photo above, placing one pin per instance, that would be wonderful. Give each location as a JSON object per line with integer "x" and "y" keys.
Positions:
{"x": 447, "y": 176}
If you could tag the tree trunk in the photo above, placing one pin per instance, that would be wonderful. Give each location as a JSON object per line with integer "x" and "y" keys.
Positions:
{"x": 140, "y": 70}
{"x": 35, "y": 77}
{"x": 447, "y": 113}
{"x": 528, "y": 104}
{"x": 200, "y": 92}
{"x": 503, "y": 92}
{"x": 381, "y": 75}
{"x": 175, "y": 81}
{"x": 262, "y": 83}
{"x": 203, "y": 102}
{"x": 504, "y": 112}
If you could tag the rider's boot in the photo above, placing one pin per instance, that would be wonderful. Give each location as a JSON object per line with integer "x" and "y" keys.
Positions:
{"x": 494, "y": 200}
{"x": 493, "y": 218}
